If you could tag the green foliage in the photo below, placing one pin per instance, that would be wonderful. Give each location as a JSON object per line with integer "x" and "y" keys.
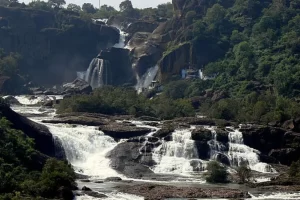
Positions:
{"x": 56, "y": 3}
{"x": 244, "y": 173}
{"x": 21, "y": 173}
{"x": 88, "y": 8}
{"x": 73, "y": 7}
{"x": 294, "y": 171}
{"x": 216, "y": 173}
{"x": 9, "y": 63}
{"x": 110, "y": 100}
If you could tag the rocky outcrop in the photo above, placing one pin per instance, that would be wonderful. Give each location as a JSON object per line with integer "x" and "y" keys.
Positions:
{"x": 81, "y": 119}
{"x": 44, "y": 142}
{"x": 119, "y": 71}
{"x": 160, "y": 192}
{"x": 127, "y": 159}
{"x": 123, "y": 131}
{"x": 141, "y": 26}
{"x": 54, "y": 45}
{"x": 277, "y": 143}
{"x": 78, "y": 86}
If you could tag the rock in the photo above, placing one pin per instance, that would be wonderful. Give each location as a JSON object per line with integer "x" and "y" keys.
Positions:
{"x": 289, "y": 124}
{"x": 164, "y": 131}
{"x": 160, "y": 192}
{"x": 222, "y": 158}
{"x": 274, "y": 142}
{"x": 85, "y": 180}
{"x": 80, "y": 119}
{"x": 201, "y": 134}
{"x": 141, "y": 26}
{"x": 95, "y": 194}
{"x": 218, "y": 95}
{"x": 147, "y": 118}
{"x": 126, "y": 159}
{"x": 12, "y": 100}
{"x": 222, "y": 135}
{"x": 285, "y": 156}
{"x": 48, "y": 103}
{"x": 44, "y": 141}
{"x": 123, "y": 131}
{"x": 84, "y": 188}
{"x": 203, "y": 149}
{"x": 120, "y": 70}
{"x": 113, "y": 179}
{"x": 78, "y": 86}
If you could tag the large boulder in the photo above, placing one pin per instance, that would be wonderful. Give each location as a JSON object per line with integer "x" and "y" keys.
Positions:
{"x": 202, "y": 135}
{"x": 278, "y": 143}
{"x": 44, "y": 141}
{"x": 123, "y": 131}
{"x": 78, "y": 86}
{"x": 120, "y": 70}
{"x": 127, "y": 159}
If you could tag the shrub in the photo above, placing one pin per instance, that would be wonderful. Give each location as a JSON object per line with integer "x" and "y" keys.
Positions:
{"x": 294, "y": 170}
{"x": 244, "y": 173}
{"x": 216, "y": 173}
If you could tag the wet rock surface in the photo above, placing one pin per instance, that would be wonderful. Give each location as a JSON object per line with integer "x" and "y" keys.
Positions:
{"x": 123, "y": 131}
{"x": 127, "y": 159}
{"x": 160, "y": 192}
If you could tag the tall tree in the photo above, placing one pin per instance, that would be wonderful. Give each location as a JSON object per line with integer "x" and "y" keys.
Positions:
{"x": 126, "y": 6}
{"x": 89, "y": 8}
{"x": 74, "y": 7}
{"x": 57, "y": 3}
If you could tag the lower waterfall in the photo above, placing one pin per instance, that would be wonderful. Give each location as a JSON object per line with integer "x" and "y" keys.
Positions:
{"x": 178, "y": 156}
{"x": 85, "y": 148}
{"x": 145, "y": 81}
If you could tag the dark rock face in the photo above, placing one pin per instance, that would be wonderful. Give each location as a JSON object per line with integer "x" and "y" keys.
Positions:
{"x": 78, "y": 86}
{"x": 175, "y": 61}
{"x": 141, "y": 26}
{"x": 127, "y": 159}
{"x": 54, "y": 54}
{"x": 120, "y": 69}
{"x": 123, "y": 131}
{"x": 277, "y": 143}
{"x": 201, "y": 134}
{"x": 44, "y": 141}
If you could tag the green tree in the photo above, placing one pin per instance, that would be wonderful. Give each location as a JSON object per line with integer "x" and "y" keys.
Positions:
{"x": 216, "y": 173}
{"x": 126, "y": 6}
{"x": 74, "y": 7}
{"x": 57, "y": 3}
{"x": 190, "y": 16}
{"x": 244, "y": 173}
{"x": 88, "y": 8}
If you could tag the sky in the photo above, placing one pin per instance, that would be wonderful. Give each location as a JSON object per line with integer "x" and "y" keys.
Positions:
{"x": 116, "y": 3}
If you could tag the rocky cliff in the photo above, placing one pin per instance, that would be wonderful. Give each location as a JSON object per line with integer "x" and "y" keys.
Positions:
{"x": 54, "y": 45}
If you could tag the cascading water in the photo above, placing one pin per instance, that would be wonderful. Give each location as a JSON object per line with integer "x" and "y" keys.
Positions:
{"x": 145, "y": 81}
{"x": 94, "y": 74}
{"x": 178, "y": 156}
{"x": 85, "y": 148}
{"x": 239, "y": 153}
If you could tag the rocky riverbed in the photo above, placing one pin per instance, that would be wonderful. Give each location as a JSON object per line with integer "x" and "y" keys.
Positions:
{"x": 154, "y": 159}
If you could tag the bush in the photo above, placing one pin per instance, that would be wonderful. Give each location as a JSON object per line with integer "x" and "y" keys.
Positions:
{"x": 244, "y": 173}
{"x": 294, "y": 171}
{"x": 216, "y": 173}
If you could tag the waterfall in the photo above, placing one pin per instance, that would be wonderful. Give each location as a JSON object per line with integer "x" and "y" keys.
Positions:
{"x": 122, "y": 39}
{"x": 85, "y": 148}
{"x": 94, "y": 73}
{"x": 239, "y": 153}
{"x": 145, "y": 81}
{"x": 178, "y": 156}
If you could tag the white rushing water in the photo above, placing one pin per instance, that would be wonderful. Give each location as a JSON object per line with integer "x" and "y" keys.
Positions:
{"x": 112, "y": 196}
{"x": 178, "y": 156}
{"x": 122, "y": 39}
{"x": 239, "y": 153}
{"x": 145, "y": 81}
{"x": 85, "y": 148}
